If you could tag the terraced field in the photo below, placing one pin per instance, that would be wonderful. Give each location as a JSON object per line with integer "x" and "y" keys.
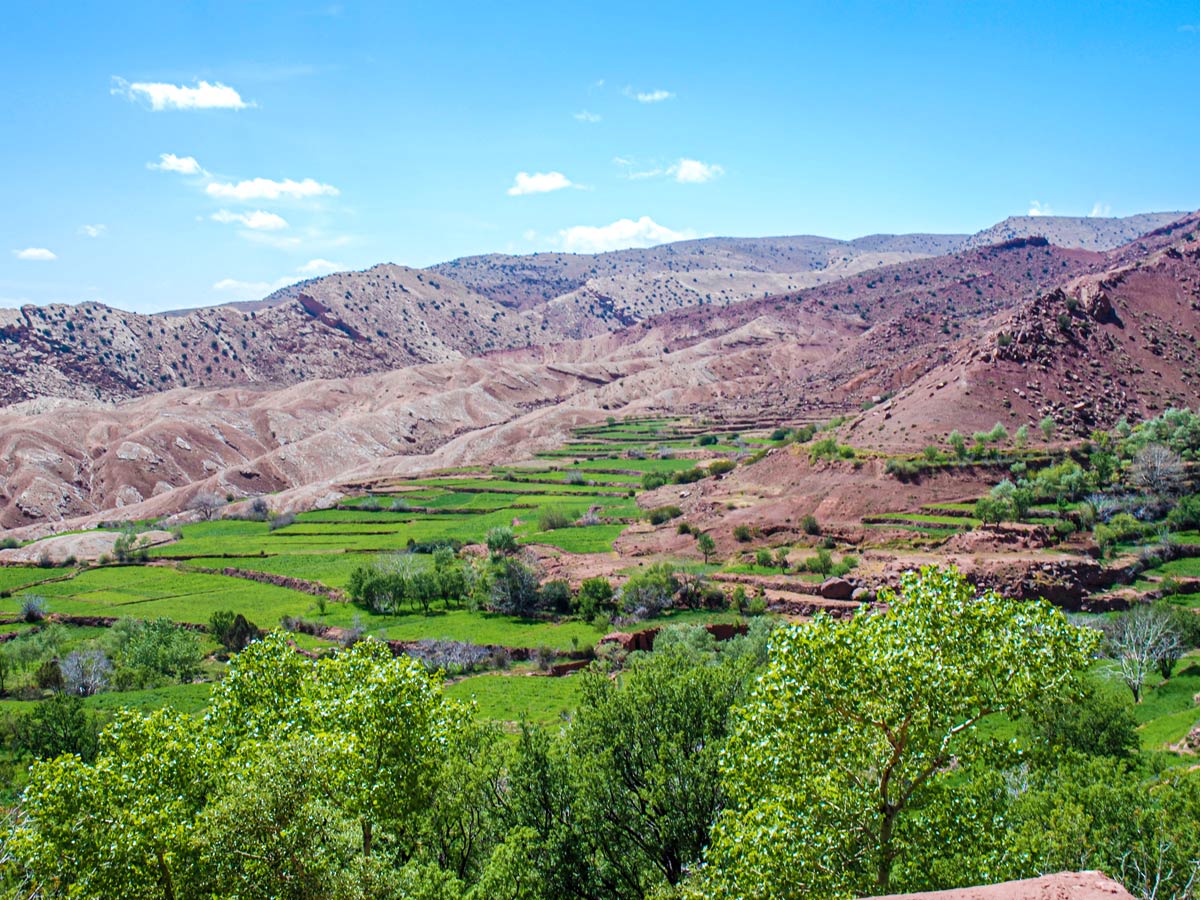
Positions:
{"x": 590, "y": 484}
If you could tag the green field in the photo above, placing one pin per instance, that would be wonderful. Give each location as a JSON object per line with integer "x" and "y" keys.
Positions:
{"x": 145, "y": 592}
{"x": 511, "y": 699}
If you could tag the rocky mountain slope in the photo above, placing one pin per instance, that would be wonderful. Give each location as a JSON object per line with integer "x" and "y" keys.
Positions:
{"x": 389, "y": 316}
{"x": 1078, "y": 232}
{"x": 1118, "y": 342}
{"x": 962, "y": 339}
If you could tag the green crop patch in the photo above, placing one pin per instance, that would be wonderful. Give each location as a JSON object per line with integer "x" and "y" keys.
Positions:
{"x": 482, "y": 628}
{"x": 13, "y": 578}
{"x": 146, "y": 592}
{"x": 512, "y": 699}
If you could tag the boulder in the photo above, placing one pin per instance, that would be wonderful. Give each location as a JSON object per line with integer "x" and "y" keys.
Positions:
{"x": 837, "y": 589}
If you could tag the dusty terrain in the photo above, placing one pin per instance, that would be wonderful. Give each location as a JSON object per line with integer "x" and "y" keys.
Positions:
{"x": 1063, "y": 886}
{"x": 926, "y": 330}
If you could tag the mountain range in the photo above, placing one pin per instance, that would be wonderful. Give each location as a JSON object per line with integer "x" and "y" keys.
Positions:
{"x": 391, "y": 370}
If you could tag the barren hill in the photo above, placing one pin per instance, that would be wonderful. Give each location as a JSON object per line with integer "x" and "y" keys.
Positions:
{"x": 389, "y": 316}
{"x": 1119, "y": 342}
{"x": 1077, "y": 232}
{"x": 1006, "y": 332}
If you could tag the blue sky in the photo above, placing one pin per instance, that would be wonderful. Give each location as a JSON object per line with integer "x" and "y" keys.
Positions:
{"x": 165, "y": 155}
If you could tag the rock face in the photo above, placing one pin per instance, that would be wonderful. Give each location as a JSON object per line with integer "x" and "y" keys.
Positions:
{"x": 1063, "y": 886}
{"x": 837, "y": 589}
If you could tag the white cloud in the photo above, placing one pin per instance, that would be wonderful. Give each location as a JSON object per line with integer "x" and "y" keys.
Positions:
{"x": 35, "y": 254}
{"x": 539, "y": 183}
{"x": 1036, "y": 208}
{"x": 162, "y": 96}
{"x": 584, "y": 116}
{"x": 266, "y": 189}
{"x": 257, "y": 220}
{"x": 253, "y": 290}
{"x": 655, "y": 96}
{"x": 1100, "y": 210}
{"x": 93, "y": 231}
{"x": 245, "y": 288}
{"x": 692, "y": 171}
{"x": 623, "y": 233}
{"x": 320, "y": 267}
{"x": 184, "y": 165}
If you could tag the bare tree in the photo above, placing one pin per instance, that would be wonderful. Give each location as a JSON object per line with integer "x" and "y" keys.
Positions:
{"x": 1138, "y": 641}
{"x": 206, "y": 504}
{"x": 85, "y": 672}
{"x": 1157, "y": 470}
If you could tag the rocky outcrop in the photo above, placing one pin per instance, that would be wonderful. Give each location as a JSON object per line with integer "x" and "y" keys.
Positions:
{"x": 1063, "y": 886}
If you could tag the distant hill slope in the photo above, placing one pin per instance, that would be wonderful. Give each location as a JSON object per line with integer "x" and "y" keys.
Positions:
{"x": 1075, "y": 232}
{"x": 1119, "y": 342}
{"x": 1006, "y": 332}
{"x": 388, "y": 316}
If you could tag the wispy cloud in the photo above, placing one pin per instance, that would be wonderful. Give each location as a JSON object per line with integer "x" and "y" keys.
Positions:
{"x": 320, "y": 267}
{"x": 1037, "y": 208}
{"x": 259, "y": 220}
{"x": 539, "y": 183}
{"x": 183, "y": 165}
{"x": 1100, "y": 210}
{"x": 267, "y": 189}
{"x": 93, "y": 231}
{"x": 584, "y": 116}
{"x": 1193, "y": 29}
{"x": 692, "y": 171}
{"x": 35, "y": 254}
{"x": 162, "y": 96}
{"x": 684, "y": 171}
{"x": 655, "y": 96}
{"x": 623, "y": 233}
{"x": 252, "y": 290}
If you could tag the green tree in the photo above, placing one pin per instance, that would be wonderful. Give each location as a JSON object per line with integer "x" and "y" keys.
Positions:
{"x": 1047, "y": 426}
{"x": 852, "y": 727}
{"x": 501, "y": 541}
{"x": 61, "y": 724}
{"x": 763, "y": 557}
{"x": 595, "y": 597}
{"x": 706, "y": 544}
{"x": 958, "y": 444}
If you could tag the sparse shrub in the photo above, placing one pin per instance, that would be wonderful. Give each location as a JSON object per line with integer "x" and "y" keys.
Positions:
{"x": 501, "y": 540}
{"x": 9, "y": 543}
{"x": 707, "y": 440}
{"x": 780, "y": 434}
{"x": 551, "y": 519}
{"x": 595, "y": 599}
{"x": 283, "y": 520}
{"x": 653, "y": 480}
{"x": 743, "y": 534}
{"x": 903, "y": 469}
{"x": 555, "y": 596}
{"x": 49, "y": 676}
{"x": 688, "y": 476}
{"x": 662, "y": 514}
{"x": 763, "y": 558}
{"x": 574, "y": 476}
{"x": 721, "y": 466}
{"x": 33, "y": 608}
{"x": 757, "y": 606}
{"x": 683, "y": 528}
{"x": 544, "y": 658}
{"x": 810, "y": 525}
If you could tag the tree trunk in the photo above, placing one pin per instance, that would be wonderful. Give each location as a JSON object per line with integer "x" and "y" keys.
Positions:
{"x": 883, "y": 873}
{"x": 366, "y": 832}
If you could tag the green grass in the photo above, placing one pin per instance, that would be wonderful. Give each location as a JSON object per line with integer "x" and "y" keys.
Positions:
{"x": 511, "y": 699}
{"x": 582, "y": 539}
{"x": 479, "y": 628}
{"x": 13, "y": 578}
{"x": 331, "y": 569}
{"x": 149, "y": 591}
